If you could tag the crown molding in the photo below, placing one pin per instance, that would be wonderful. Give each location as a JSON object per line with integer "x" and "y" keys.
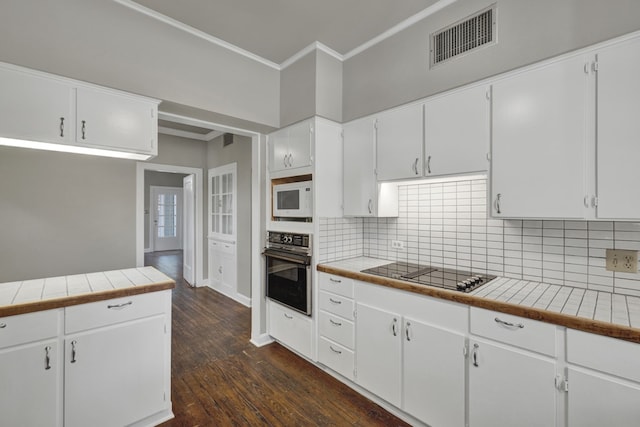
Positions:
{"x": 399, "y": 27}
{"x": 195, "y": 32}
{"x": 300, "y": 54}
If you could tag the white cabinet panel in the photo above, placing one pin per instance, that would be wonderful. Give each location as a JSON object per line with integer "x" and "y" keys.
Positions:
{"x": 110, "y": 120}
{"x": 115, "y": 376}
{"x": 434, "y": 374}
{"x": 290, "y": 328}
{"x": 30, "y": 377}
{"x": 35, "y": 108}
{"x": 336, "y": 304}
{"x": 378, "y": 352}
{"x": 337, "y": 329}
{"x": 336, "y": 284}
{"x": 290, "y": 147}
{"x": 29, "y": 327}
{"x": 456, "y": 128}
{"x": 399, "y": 143}
{"x": 336, "y": 357}
{"x": 618, "y": 128}
{"x": 508, "y": 387}
{"x": 596, "y": 401}
{"x": 538, "y": 145}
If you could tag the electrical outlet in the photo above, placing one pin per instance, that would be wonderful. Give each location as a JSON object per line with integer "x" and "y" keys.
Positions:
{"x": 397, "y": 244}
{"x": 622, "y": 260}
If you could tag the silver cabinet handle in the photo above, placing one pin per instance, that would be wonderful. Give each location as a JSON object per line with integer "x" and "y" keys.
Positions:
{"x": 476, "y": 353}
{"x": 335, "y": 323}
{"x": 117, "y": 306}
{"x": 287, "y": 316}
{"x": 73, "y": 351}
{"x": 335, "y": 301}
{"x": 61, "y": 127}
{"x": 509, "y": 324}
{"x": 220, "y": 269}
{"x": 406, "y": 331}
{"x": 284, "y": 160}
{"x": 334, "y": 350}
{"x": 394, "y": 327}
{"x": 47, "y": 358}
{"x": 3, "y": 325}
{"x": 498, "y": 196}
{"x": 331, "y": 279}
{"x": 414, "y": 167}
{"x": 84, "y": 128}
{"x": 370, "y": 206}
{"x": 429, "y": 164}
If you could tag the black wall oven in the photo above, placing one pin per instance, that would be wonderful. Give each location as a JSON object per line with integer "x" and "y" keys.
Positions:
{"x": 288, "y": 275}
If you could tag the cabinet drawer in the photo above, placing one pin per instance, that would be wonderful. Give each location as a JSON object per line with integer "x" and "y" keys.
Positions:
{"x": 336, "y": 284}
{"x": 24, "y": 328}
{"x": 290, "y": 328}
{"x": 336, "y": 357}
{"x": 112, "y": 311}
{"x": 337, "y": 329}
{"x": 605, "y": 354}
{"x": 224, "y": 247}
{"x": 517, "y": 331}
{"x": 336, "y": 304}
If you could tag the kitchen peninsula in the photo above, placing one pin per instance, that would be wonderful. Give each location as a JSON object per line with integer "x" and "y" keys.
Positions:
{"x": 88, "y": 349}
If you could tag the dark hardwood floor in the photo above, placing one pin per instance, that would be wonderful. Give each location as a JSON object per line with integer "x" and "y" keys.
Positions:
{"x": 220, "y": 379}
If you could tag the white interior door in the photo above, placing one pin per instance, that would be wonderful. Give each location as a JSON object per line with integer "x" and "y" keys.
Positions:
{"x": 188, "y": 270}
{"x": 167, "y": 218}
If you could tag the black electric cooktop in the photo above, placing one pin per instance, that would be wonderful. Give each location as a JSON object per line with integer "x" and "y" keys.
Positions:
{"x": 463, "y": 281}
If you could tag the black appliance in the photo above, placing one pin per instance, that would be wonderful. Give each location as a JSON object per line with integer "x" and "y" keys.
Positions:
{"x": 456, "y": 280}
{"x": 288, "y": 272}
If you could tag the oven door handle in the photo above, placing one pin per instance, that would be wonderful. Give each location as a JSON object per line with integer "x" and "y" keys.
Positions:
{"x": 288, "y": 256}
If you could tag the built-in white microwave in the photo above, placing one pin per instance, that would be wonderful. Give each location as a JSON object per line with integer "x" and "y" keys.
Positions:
{"x": 293, "y": 200}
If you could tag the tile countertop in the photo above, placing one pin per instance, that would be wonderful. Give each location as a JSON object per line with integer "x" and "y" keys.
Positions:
{"x": 602, "y": 313}
{"x": 55, "y": 292}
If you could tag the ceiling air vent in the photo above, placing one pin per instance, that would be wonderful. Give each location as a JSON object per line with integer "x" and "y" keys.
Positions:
{"x": 464, "y": 36}
{"x": 227, "y": 139}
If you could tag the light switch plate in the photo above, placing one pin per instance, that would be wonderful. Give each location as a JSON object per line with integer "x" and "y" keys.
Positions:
{"x": 622, "y": 260}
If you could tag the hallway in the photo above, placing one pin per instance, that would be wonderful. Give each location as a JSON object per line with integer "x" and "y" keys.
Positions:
{"x": 219, "y": 378}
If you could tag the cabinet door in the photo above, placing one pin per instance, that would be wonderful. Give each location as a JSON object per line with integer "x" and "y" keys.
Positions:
{"x": 29, "y": 395}
{"x": 228, "y": 263}
{"x": 299, "y": 145}
{"x": 434, "y": 374}
{"x": 110, "y": 120}
{"x": 618, "y": 146}
{"x": 35, "y": 108}
{"x": 399, "y": 143}
{"x": 359, "y": 168}
{"x": 278, "y": 150}
{"x": 508, "y": 387}
{"x": 596, "y": 400}
{"x": 538, "y": 145}
{"x": 457, "y": 132}
{"x": 215, "y": 267}
{"x": 115, "y": 376}
{"x": 378, "y": 352}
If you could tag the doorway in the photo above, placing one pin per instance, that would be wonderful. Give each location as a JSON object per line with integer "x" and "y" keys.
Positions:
{"x": 165, "y": 222}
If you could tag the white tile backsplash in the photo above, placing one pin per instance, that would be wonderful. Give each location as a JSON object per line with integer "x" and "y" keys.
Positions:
{"x": 445, "y": 224}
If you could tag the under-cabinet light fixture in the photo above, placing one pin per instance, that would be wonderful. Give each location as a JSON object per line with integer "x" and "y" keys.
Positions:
{"x": 21, "y": 143}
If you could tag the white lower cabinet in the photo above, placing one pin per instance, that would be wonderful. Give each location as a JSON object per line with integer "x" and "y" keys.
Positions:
{"x": 510, "y": 387}
{"x": 223, "y": 266}
{"x": 115, "y": 376}
{"x": 434, "y": 374}
{"x": 603, "y": 381}
{"x": 30, "y": 391}
{"x": 379, "y": 352}
{"x": 290, "y": 328}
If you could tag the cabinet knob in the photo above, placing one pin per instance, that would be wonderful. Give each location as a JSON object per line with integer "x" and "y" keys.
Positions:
{"x": 394, "y": 327}
{"x": 476, "y": 353}
{"x": 84, "y": 129}
{"x": 61, "y": 127}
{"x": 498, "y": 196}
{"x": 47, "y": 358}
{"x": 73, "y": 351}
{"x": 429, "y": 164}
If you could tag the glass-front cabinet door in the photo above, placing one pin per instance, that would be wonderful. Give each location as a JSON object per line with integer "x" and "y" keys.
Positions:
{"x": 222, "y": 202}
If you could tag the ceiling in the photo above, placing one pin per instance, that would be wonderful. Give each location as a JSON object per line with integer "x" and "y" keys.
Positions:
{"x": 278, "y": 29}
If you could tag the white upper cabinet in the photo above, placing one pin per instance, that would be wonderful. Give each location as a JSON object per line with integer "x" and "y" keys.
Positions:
{"x": 456, "y": 129}
{"x": 400, "y": 143}
{"x": 35, "y": 108}
{"x": 39, "y": 107}
{"x": 618, "y": 130}
{"x": 290, "y": 147}
{"x": 110, "y": 120}
{"x": 538, "y": 147}
{"x": 362, "y": 195}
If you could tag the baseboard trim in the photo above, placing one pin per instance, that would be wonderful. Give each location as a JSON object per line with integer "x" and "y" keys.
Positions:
{"x": 262, "y": 340}
{"x": 233, "y": 295}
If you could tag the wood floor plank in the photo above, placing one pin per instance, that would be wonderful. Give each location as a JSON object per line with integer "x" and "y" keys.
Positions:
{"x": 220, "y": 379}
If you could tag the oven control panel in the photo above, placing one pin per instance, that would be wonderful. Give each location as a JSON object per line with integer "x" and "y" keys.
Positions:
{"x": 293, "y": 240}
